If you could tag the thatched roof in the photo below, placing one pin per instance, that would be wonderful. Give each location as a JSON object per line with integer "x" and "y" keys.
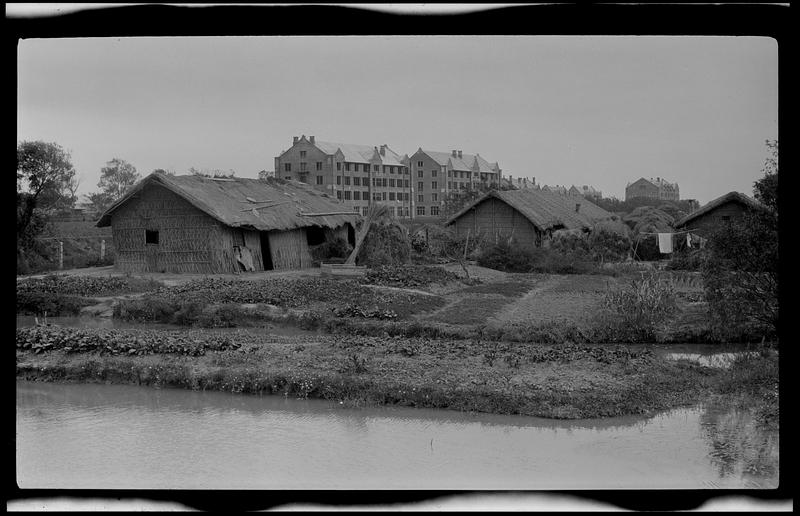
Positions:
{"x": 544, "y": 209}
{"x": 271, "y": 204}
{"x": 736, "y": 197}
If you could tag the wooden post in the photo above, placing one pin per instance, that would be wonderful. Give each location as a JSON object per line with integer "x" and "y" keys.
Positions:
{"x": 102, "y": 249}
{"x": 466, "y": 243}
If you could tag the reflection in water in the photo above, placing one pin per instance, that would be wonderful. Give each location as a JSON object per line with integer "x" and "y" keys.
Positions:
{"x": 737, "y": 447}
{"x": 117, "y": 436}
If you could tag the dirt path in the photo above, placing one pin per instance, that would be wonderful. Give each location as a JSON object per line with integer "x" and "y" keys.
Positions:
{"x": 572, "y": 298}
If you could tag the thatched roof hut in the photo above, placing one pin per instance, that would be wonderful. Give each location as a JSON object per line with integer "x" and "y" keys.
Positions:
{"x": 204, "y": 224}
{"x": 527, "y": 215}
{"x": 728, "y": 207}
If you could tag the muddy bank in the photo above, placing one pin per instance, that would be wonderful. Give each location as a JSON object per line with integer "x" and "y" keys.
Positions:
{"x": 555, "y": 381}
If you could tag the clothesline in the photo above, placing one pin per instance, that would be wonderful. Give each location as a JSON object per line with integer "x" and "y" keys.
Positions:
{"x": 671, "y": 233}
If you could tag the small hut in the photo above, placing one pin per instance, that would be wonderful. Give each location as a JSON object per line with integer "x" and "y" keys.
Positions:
{"x": 729, "y": 207}
{"x": 527, "y": 216}
{"x": 198, "y": 224}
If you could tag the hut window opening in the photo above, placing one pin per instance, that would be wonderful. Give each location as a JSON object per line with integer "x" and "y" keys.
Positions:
{"x": 315, "y": 235}
{"x": 150, "y": 237}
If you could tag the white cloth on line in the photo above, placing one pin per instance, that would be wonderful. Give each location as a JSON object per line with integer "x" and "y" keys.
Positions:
{"x": 665, "y": 243}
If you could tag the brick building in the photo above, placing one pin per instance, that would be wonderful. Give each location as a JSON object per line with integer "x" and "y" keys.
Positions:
{"x": 586, "y": 191}
{"x": 435, "y": 175}
{"x": 357, "y": 175}
{"x": 657, "y": 188}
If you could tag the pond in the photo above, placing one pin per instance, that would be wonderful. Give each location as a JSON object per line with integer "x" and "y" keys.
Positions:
{"x": 121, "y": 436}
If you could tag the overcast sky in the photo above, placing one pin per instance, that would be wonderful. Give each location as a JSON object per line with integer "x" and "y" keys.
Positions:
{"x": 602, "y": 111}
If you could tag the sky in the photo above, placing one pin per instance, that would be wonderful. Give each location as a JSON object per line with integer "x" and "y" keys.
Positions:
{"x": 601, "y": 110}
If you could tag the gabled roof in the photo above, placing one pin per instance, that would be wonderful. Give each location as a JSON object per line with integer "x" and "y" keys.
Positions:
{"x": 270, "y": 204}
{"x": 465, "y": 163}
{"x": 719, "y": 201}
{"x": 545, "y": 210}
{"x": 356, "y": 153}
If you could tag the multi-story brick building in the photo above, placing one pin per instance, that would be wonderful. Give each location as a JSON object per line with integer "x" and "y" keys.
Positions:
{"x": 651, "y": 188}
{"x": 435, "y": 175}
{"x": 586, "y": 191}
{"x": 358, "y": 175}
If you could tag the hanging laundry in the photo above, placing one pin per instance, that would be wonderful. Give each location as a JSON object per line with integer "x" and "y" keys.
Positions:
{"x": 688, "y": 240}
{"x": 665, "y": 243}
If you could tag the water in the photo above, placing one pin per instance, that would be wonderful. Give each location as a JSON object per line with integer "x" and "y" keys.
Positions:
{"x": 120, "y": 436}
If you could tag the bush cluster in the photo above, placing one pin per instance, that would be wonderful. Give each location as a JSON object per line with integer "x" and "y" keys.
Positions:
{"x": 86, "y": 286}
{"x": 518, "y": 258}
{"x": 119, "y": 342}
{"x": 407, "y": 276}
{"x": 643, "y": 303}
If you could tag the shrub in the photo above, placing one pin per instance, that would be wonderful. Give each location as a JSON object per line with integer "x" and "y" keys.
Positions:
{"x": 506, "y": 257}
{"x": 741, "y": 275}
{"x": 331, "y": 251}
{"x": 38, "y": 303}
{"x": 644, "y": 303}
{"x": 385, "y": 244}
{"x": 687, "y": 260}
{"x": 407, "y": 276}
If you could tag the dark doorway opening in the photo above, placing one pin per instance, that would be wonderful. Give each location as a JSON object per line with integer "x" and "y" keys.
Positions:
{"x": 351, "y": 235}
{"x": 315, "y": 235}
{"x": 266, "y": 256}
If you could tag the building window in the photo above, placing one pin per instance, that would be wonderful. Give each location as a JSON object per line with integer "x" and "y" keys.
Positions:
{"x": 420, "y": 210}
{"x": 347, "y": 195}
{"x": 420, "y": 173}
{"x": 391, "y": 210}
{"x": 383, "y": 196}
{"x": 287, "y": 167}
{"x": 419, "y": 164}
{"x": 319, "y": 165}
{"x": 391, "y": 170}
{"x": 302, "y": 154}
{"x": 355, "y": 208}
{"x": 420, "y": 186}
{"x": 150, "y": 237}
{"x": 339, "y": 194}
{"x": 356, "y": 181}
{"x": 338, "y": 165}
{"x": 421, "y": 198}
{"x": 433, "y": 173}
{"x": 338, "y": 180}
{"x": 449, "y": 173}
{"x": 303, "y": 166}
{"x": 385, "y": 182}
{"x": 347, "y": 180}
{"x": 364, "y": 210}
{"x": 434, "y": 185}
{"x": 365, "y": 195}
{"x": 319, "y": 179}
{"x": 392, "y": 183}
{"x": 392, "y": 196}
{"x": 434, "y": 210}
{"x": 376, "y": 168}
{"x": 434, "y": 198}
{"x": 357, "y": 195}
{"x": 406, "y": 183}
{"x": 347, "y": 167}
{"x": 287, "y": 177}
{"x": 376, "y": 196}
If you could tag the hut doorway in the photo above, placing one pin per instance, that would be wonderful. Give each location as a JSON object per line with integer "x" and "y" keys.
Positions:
{"x": 266, "y": 255}
{"x": 151, "y": 250}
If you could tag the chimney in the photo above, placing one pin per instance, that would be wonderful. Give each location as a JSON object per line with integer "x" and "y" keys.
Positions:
{"x": 577, "y": 207}
{"x": 295, "y": 140}
{"x": 533, "y": 180}
{"x": 459, "y": 154}
{"x": 455, "y": 153}
{"x": 311, "y": 140}
{"x": 383, "y": 150}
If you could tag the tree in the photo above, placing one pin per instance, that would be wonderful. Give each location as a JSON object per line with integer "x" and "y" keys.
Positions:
{"x": 116, "y": 178}
{"x": 45, "y": 180}
{"x": 741, "y": 269}
{"x": 765, "y": 189}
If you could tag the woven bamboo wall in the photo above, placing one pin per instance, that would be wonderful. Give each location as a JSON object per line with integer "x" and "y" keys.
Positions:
{"x": 189, "y": 240}
{"x": 289, "y": 249}
{"x": 496, "y": 220}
